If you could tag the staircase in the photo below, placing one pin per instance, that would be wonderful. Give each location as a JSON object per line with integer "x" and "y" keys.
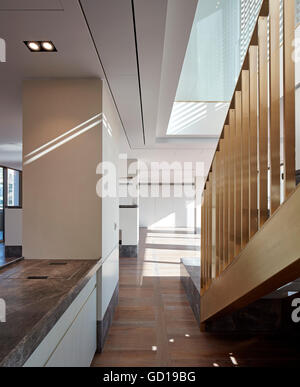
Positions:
{"x": 250, "y": 226}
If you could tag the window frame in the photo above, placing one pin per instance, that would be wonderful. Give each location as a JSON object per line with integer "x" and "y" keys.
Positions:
{"x": 5, "y": 188}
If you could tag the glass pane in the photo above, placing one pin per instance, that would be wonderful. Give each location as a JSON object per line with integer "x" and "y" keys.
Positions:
{"x": 249, "y": 14}
{"x": 212, "y": 61}
{"x": 1, "y": 205}
{"x": 13, "y": 188}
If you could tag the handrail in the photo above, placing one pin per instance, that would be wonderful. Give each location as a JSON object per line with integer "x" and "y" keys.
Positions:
{"x": 235, "y": 197}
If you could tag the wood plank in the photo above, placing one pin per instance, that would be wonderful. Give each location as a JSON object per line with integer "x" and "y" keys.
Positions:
{"x": 253, "y": 69}
{"x": 213, "y": 220}
{"x": 221, "y": 205}
{"x": 238, "y": 172}
{"x": 217, "y": 183}
{"x": 209, "y": 257}
{"x": 245, "y": 158}
{"x": 202, "y": 241}
{"x": 263, "y": 119}
{"x": 289, "y": 96}
{"x": 226, "y": 196}
{"x": 271, "y": 259}
{"x": 232, "y": 209}
{"x": 205, "y": 237}
{"x": 274, "y": 104}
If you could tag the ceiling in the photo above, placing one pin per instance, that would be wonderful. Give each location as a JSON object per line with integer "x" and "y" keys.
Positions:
{"x": 137, "y": 46}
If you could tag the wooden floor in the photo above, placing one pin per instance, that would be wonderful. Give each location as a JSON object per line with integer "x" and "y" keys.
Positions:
{"x": 154, "y": 325}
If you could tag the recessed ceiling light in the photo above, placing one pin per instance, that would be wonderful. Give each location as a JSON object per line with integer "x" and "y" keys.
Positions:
{"x": 48, "y": 46}
{"x": 40, "y": 46}
{"x": 34, "y": 46}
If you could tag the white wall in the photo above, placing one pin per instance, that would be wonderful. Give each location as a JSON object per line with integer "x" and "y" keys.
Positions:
{"x": 62, "y": 213}
{"x": 13, "y": 226}
{"x": 110, "y": 153}
{"x": 161, "y": 212}
{"x": 108, "y": 275}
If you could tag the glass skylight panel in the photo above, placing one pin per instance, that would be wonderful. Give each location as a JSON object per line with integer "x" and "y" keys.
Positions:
{"x": 212, "y": 61}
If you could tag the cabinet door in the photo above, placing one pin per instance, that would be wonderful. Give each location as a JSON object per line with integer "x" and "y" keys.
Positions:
{"x": 78, "y": 346}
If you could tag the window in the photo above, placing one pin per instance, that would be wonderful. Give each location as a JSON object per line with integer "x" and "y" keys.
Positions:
{"x": 13, "y": 186}
{"x": 1, "y": 204}
{"x": 1, "y": 188}
{"x": 10, "y": 193}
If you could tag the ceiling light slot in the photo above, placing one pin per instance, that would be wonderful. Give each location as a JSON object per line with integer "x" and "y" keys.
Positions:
{"x": 40, "y": 45}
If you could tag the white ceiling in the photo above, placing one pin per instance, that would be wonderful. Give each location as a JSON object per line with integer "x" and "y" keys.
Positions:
{"x": 76, "y": 57}
{"x": 30, "y": 5}
{"x": 98, "y": 40}
{"x": 111, "y": 23}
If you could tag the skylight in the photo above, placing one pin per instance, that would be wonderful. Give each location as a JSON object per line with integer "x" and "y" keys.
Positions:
{"x": 212, "y": 61}
{"x": 219, "y": 39}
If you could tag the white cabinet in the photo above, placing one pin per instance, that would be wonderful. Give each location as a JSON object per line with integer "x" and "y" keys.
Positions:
{"x": 129, "y": 224}
{"x": 78, "y": 346}
{"x": 72, "y": 341}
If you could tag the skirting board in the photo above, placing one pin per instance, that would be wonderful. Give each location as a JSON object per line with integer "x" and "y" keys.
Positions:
{"x": 128, "y": 251}
{"x": 104, "y": 325}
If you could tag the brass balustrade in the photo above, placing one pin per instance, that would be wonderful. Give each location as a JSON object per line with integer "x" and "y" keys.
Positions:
{"x": 235, "y": 198}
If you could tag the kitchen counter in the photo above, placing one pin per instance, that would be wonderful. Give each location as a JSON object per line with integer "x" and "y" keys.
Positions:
{"x": 37, "y": 293}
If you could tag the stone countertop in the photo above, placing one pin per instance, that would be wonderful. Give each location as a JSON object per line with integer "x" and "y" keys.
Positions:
{"x": 33, "y": 306}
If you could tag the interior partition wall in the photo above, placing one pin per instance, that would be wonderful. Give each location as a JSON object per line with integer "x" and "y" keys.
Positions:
{"x": 70, "y": 136}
